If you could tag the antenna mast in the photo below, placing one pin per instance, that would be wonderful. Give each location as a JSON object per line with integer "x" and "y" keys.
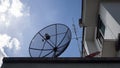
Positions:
{"x": 76, "y": 36}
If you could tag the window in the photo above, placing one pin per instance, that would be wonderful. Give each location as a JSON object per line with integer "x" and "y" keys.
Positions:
{"x": 101, "y": 26}
{"x": 100, "y": 30}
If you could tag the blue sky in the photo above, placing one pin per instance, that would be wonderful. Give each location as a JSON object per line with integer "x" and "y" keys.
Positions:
{"x": 20, "y": 20}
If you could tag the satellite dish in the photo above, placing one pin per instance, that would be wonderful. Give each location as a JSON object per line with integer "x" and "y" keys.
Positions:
{"x": 51, "y": 41}
{"x": 93, "y": 54}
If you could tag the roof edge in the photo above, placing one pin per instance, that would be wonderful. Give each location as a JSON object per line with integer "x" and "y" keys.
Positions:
{"x": 61, "y": 60}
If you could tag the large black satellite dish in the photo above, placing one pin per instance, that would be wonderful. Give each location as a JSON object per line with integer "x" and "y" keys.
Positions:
{"x": 51, "y": 41}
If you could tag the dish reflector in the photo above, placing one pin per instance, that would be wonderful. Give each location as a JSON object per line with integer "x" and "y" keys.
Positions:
{"x": 51, "y": 41}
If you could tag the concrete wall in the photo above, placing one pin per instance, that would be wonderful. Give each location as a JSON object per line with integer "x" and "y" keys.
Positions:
{"x": 74, "y": 62}
{"x": 61, "y": 65}
{"x": 109, "y": 48}
{"x": 90, "y": 33}
{"x": 91, "y": 47}
{"x": 86, "y": 47}
{"x": 89, "y": 44}
{"x": 89, "y": 12}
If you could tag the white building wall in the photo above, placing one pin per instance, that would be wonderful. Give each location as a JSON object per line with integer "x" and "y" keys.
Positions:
{"x": 114, "y": 9}
{"x": 89, "y": 42}
{"x": 110, "y": 21}
{"x": 110, "y": 15}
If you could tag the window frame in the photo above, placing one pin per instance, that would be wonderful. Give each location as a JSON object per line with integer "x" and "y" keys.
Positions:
{"x": 100, "y": 30}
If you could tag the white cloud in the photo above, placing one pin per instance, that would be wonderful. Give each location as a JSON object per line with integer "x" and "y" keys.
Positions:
{"x": 4, "y": 40}
{"x": 13, "y": 15}
{"x": 2, "y": 17}
{"x": 14, "y": 43}
{"x": 1, "y": 57}
{"x": 16, "y": 8}
{"x": 12, "y": 9}
{"x": 4, "y": 5}
{"x": 8, "y": 42}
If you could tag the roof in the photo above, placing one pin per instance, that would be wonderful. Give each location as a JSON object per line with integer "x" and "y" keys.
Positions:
{"x": 60, "y": 60}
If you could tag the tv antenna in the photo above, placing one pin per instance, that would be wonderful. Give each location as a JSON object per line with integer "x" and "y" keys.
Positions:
{"x": 76, "y": 36}
{"x": 50, "y": 41}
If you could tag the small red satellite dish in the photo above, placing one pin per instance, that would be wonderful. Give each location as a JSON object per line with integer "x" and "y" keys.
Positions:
{"x": 93, "y": 54}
